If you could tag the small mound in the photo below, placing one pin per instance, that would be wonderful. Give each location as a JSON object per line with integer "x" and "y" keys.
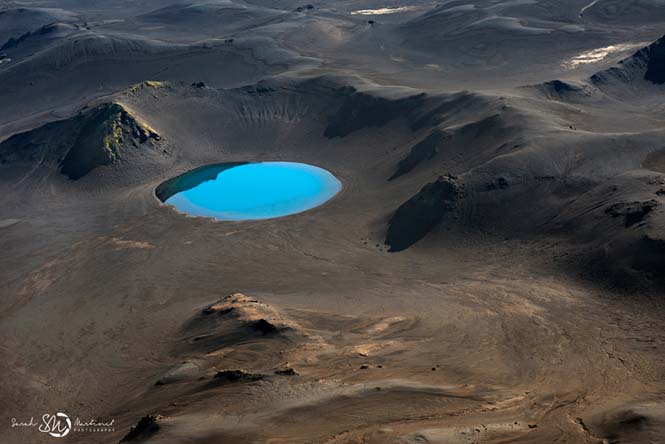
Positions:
{"x": 420, "y": 214}
{"x": 256, "y": 315}
{"x": 235, "y": 319}
{"x": 558, "y": 89}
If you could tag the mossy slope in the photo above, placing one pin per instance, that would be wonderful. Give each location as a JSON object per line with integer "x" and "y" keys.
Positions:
{"x": 103, "y": 135}
{"x": 96, "y": 137}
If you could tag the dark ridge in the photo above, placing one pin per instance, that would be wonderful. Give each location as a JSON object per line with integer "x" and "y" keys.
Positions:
{"x": 420, "y": 214}
{"x": 603, "y": 76}
{"x": 423, "y": 150}
{"x": 561, "y": 86}
{"x": 145, "y": 428}
{"x": 191, "y": 179}
{"x": 228, "y": 376}
{"x": 656, "y": 66}
{"x": 633, "y": 212}
{"x": 360, "y": 110}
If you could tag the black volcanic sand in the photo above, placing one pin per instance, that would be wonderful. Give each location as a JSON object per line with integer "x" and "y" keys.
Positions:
{"x": 525, "y": 197}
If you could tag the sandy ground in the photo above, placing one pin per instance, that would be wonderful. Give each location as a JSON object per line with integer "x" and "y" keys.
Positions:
{"x": 531, "y": 313}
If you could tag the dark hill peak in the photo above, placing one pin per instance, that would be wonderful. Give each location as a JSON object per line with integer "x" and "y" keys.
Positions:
{"x": 95, "y": 137}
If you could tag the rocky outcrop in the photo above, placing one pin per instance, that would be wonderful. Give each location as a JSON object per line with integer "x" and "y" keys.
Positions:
{"x": 238, "y": 318}
{"x": 420, "y": 214}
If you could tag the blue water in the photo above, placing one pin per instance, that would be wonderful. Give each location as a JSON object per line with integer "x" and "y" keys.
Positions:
{"x": 258, "y": 191}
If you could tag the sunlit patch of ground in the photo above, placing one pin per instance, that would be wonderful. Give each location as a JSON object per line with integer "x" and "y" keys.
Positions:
{"x": 382, "y": 11}
{"x": 599, "y": 54}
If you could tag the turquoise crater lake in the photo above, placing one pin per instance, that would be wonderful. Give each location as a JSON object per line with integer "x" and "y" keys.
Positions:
{"x": 249, "y": 191}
